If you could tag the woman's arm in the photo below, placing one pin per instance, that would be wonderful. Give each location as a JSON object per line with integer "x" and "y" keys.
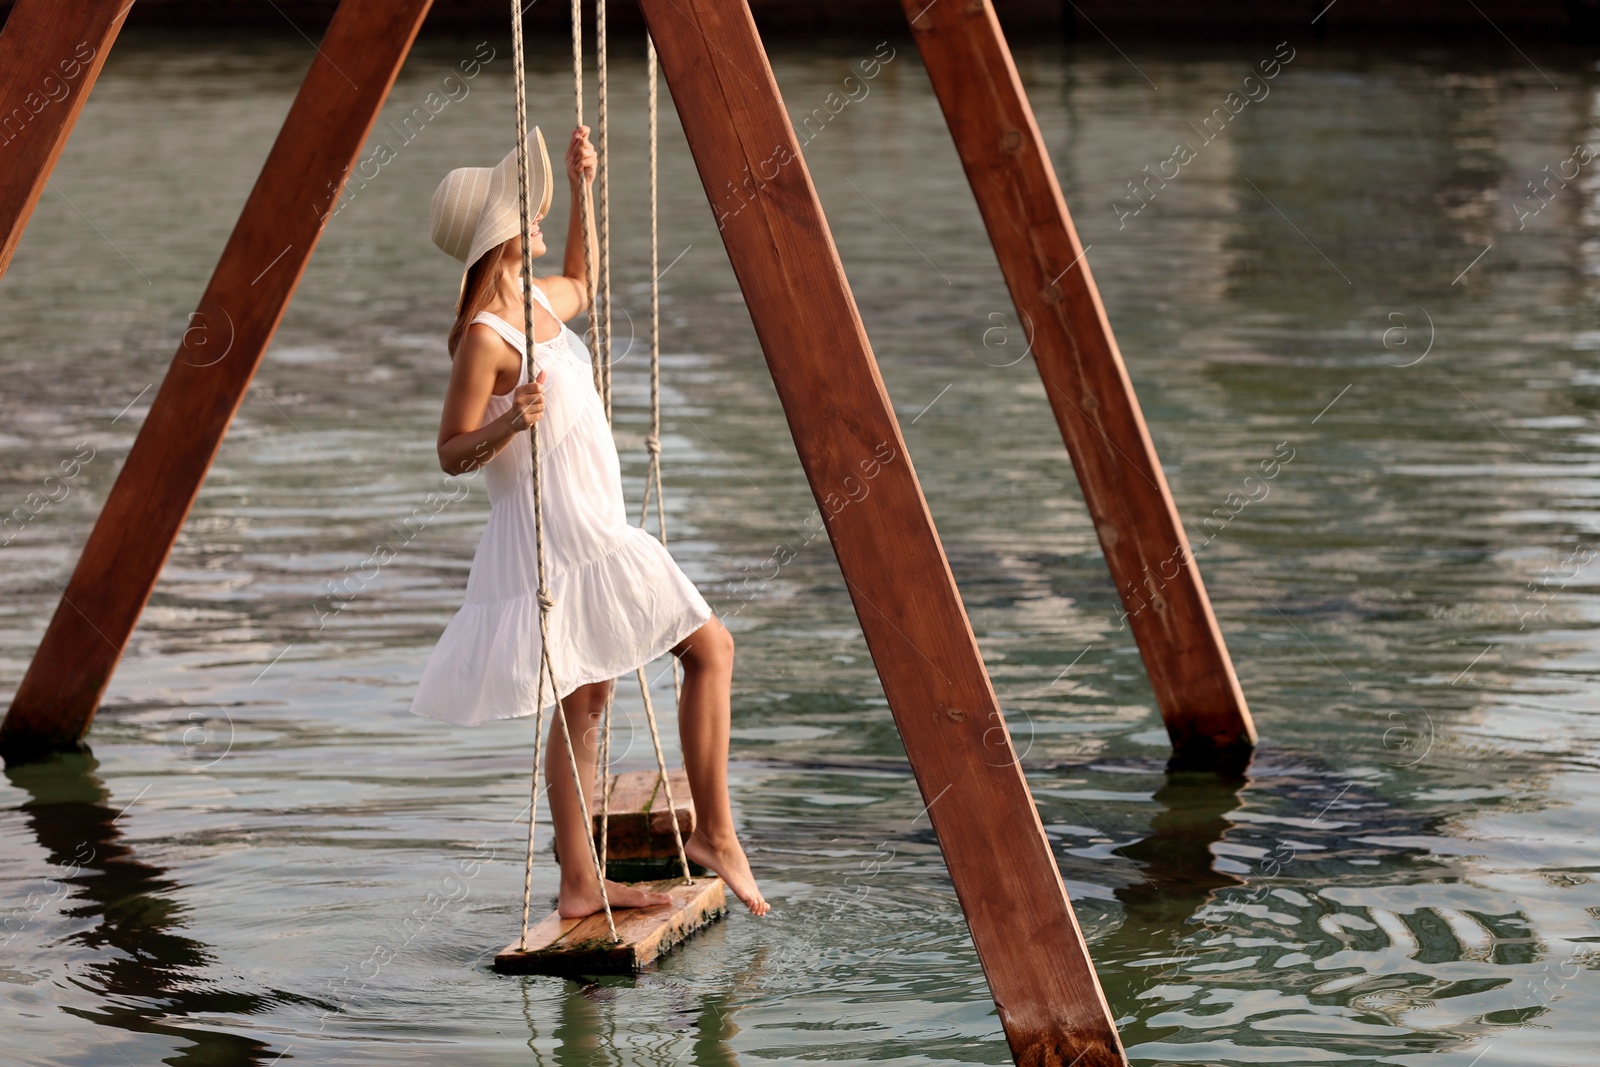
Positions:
{"x": 568, "y": 291}
{"x": 466, "y": 442}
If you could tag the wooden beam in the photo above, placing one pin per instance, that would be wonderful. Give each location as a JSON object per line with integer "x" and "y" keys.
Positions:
{"x": 257, "y": 274}
{"x": 50, "y": 55}
{"x": 1165, "y": 601}
{"x": 850, "y": 445}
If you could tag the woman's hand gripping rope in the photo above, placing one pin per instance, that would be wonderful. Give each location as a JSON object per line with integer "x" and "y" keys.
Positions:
{"x": 527, "y": 405}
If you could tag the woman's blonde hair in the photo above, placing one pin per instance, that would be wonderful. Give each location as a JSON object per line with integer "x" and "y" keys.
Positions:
{"x": 476, "y": 292}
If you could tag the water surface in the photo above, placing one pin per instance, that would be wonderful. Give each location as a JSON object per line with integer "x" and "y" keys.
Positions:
{"x": 267, "y": 859}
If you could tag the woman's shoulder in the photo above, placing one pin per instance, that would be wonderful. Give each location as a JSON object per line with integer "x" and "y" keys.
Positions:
{"x": 486, "y": 344}
{"x": 485, "y": 326}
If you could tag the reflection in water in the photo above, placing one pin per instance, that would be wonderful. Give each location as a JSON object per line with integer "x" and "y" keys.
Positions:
{"x": 582, "y": 1032}
{"x": 147, "y": 972}
{"x": 1176, "y": 861}
{"x": 714, "y": 1028}
{"x": 1299, "y": 942}
{"x": 597, "y": 1025}
{"x": 714, "y": 1031}
{"x": 1178, "y": 876}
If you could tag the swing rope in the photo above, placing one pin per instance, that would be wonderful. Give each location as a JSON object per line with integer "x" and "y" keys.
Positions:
{"x": 652, "y": 441}
{"x": 602, "y": 361}
{"x": 546, "y": 600}
{"x": 602, "y": 127}
{"x": 598, "y": 285}
{"x": 600, "y": 314}
{"x": 583, "y": 192}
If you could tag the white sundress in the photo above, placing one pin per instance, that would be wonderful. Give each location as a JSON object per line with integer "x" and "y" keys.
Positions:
{"x": 620, "y": 599}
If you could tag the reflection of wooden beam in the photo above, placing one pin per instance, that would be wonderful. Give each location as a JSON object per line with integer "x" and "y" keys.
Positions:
{"x": 1175, "y": 875}
{"x": 888, "y": 549}
{"x": 50, "y": 55}
{"x": 260, "y": 267}
{"x": 1006, "y": 162}
{"x": 146, "y": 975}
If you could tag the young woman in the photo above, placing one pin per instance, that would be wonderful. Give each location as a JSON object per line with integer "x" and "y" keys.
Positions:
{"x": 619, "y": 599}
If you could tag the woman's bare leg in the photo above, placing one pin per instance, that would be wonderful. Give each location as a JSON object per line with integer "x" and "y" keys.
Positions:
{"x": 580, "y": 889}
{"x": 704, "y": 712}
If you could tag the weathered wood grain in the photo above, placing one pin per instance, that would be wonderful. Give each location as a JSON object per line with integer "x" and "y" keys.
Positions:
{"x": 899, "y": 579}
{"x": 575, "y": 947}
{"x": 50, "y": 55}
{"x": 1048, "y": 273}
{"x": 640, "y": 824}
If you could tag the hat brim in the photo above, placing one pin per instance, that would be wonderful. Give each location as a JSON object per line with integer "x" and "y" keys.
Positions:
{"x": 499, "y": 218}
{"x": 501, "y": 215}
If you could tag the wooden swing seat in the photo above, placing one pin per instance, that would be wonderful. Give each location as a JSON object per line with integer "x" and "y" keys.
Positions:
{"x": 639, "y": 846}
{"x": 641, "y": 823}
{"x": 575, "y": 947}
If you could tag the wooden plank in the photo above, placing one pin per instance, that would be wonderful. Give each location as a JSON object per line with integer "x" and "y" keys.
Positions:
{"x": 661, "y": 813}
{"x": 1004, "y": 155}
{"x": 640, "y": 841}
{"x": 630, "y": 791}
{"x": 50, "y": 55}
{"x": 910, "y": 611}
{"x": 574, "y": 947}
{"x": 640, "y": 822}
{"x": 257, "y": 274}
{"x": 640, "y": 845}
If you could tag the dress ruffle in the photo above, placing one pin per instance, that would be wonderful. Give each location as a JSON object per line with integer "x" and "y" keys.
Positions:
{"x": 486, "y": 664}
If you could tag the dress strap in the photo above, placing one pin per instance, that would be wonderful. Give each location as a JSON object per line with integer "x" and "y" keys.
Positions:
{"x": 505, "y": 329}
{"x": 513, "y": 337}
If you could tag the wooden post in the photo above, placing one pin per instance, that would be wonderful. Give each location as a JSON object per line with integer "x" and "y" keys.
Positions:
{"x": 1048, "y": 274}
{"x": 849, "y": 442}
{"x": 50, "y": 55}
{"x": 326, "y": 127}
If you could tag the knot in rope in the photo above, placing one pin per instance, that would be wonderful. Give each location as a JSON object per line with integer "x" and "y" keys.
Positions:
{"x": 546, "y": 601}
{"x": 652, "y": 444}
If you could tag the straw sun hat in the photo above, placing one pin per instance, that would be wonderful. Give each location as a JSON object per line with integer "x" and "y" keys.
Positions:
{"x": 476, "y": 208}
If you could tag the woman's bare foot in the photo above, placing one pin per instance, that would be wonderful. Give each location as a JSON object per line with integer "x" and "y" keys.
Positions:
{"x": 728, "y": 861}
{"x": 575, "y": 904}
